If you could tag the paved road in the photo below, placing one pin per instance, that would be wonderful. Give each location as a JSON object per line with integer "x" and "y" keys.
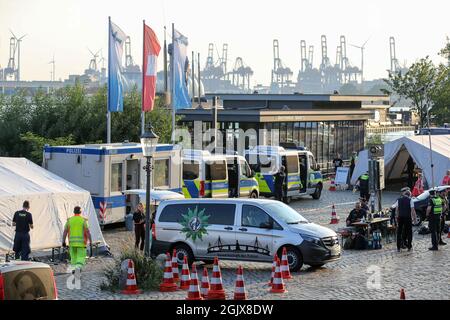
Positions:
{"x": 377, "y": 274}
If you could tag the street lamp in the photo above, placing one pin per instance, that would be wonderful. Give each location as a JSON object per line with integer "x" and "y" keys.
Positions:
{"x": 149, "y": 140}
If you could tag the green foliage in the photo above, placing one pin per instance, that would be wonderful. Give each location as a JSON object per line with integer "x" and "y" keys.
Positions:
{"x": 374, "y": 139}
{"x": 72, "y": 116}
{"x": 148, "y": 272}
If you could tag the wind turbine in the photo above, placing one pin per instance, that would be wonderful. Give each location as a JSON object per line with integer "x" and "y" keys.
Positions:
{"x": 53, "y": 77}
{"x": 18, "y": 41}
{"x": 362, "y": 57}
{"x": 93, "y": 62}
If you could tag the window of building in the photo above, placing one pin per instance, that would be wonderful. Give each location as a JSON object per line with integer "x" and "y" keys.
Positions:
{"x": 116, "y": 177}
{"x": 161, "y": 173}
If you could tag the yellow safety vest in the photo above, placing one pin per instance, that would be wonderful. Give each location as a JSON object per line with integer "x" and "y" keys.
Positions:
{"x": 437, "y": 205}
{"x": 77, "y": 229}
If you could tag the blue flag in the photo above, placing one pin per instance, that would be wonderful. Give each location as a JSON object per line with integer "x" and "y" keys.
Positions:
{"x": 180, "y": 92}
{"x": 115, "y": 77}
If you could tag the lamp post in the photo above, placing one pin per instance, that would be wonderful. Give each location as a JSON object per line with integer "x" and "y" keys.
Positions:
{"x": 149, "y": 140}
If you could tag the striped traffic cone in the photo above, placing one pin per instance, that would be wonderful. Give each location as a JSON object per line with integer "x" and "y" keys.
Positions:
{"x": 185, "y": 278}
{"x": 285, "y": 273}
{"x": 131, "y": 286}
{"x": 239, "y": 291}
{"x": 205, "y": 283}
{"x": 334, "y": 217}
{"x": 194, "y": 289}
{"x": 278, "y": 284}
{"x": 176, "y": 274}
{"x": 274, "y": 265}
{"x": 216, "y": 291}
{"x": 168, "y": 285}
{"x": 332, "y": 185}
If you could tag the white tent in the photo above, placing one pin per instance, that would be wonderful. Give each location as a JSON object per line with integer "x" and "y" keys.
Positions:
{"x": 397, "y": 152}
{"x": 52, "y": 200}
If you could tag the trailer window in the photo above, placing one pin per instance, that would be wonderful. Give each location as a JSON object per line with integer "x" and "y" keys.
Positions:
{"x": 161, "y": 173}
{"x": 292, "y": 164}
{"x": 116, "y": 177}
{"x": 216, "y": 170}
{"x": 190, "y": 170}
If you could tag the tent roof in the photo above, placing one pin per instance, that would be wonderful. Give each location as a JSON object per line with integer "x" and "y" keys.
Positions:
{"x": 21, "y": 176}
{"x": 440, "y": 143}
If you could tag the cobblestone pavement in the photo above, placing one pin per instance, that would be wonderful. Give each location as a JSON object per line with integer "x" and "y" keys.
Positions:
{"x": 422, "y": 273}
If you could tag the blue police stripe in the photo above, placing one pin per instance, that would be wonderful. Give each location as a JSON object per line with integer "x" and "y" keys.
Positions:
{"x": 270, "y": 182}
{"x": 293, "y": 178}
{"x": 248, "y": 183}
{"x": 191, "y": 188}
{"x": 113, "y": 202}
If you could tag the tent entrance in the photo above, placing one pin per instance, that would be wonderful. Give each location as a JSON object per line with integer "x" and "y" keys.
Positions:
{"x": 400, "y": 171}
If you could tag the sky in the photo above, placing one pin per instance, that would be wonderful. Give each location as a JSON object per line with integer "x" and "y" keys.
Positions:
{"x": 67, "y": 28}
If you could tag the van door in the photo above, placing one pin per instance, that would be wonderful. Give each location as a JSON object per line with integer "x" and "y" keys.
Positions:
{"x": 191, "y": 179}
{"x": 233, "y": 178}
{"x": 217, "y": 178}
{"x": 303, "y": 172}
{"x": 245, "y": 180}
{"x": 254, "y": 236}
{"x": 293, "y": 174}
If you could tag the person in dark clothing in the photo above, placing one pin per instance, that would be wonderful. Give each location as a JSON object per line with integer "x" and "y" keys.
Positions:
{"x": 363, "y": 182}
{"x": 139, "y": 226}
{"x": 356, "y": 215}
{"x": 405, "y": 215}
{"x": 23, "y": 221}
{"x": 352, "y": 168}
{"x": 233, "y": 182}
{"x": 434, "y": 212}
{"x": 337, "y": 162}
{"x": 280, "y": 177}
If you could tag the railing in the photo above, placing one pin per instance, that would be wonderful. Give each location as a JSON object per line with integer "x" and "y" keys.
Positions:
{"x": 387, "y": 129}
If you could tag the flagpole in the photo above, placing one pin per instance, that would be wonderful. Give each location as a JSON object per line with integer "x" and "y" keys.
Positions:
{"x": 172, "y": 89}
{"x": 143, "y": 77}
{"x": 108, "y": 100}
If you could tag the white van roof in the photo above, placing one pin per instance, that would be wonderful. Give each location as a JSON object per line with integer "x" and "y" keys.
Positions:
{"x": 201, "y": 155}
{"x": 224, "y": 201}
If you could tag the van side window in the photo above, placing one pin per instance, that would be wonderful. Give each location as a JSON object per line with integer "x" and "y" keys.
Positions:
{"x": 254, "y": 217}
{"x": 292, "y": 164}
{"x": 216, "y": 170}
{"x": 190, "y": 170}
{"x": 221, "y": 214}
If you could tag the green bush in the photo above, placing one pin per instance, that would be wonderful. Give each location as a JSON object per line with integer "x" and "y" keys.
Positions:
{"x": 149, "y": 273}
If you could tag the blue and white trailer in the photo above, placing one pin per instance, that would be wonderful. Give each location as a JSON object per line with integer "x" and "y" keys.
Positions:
{"x": 108, "y": 170}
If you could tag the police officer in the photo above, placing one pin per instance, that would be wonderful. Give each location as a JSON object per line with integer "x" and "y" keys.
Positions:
{"x": 78, "y": 231}
{"x": 364, "y": 186}
{"x": 280, "y": 176}
{"x": 405, "y": 215}
{"x": 434, "y": 211}
{"x": 23, "y": 221}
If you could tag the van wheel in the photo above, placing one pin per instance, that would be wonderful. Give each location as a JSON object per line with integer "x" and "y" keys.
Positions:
{"x": 254, "y": 195}
{"x": 317, "y": 193}
{"x": 183, "y": 250}
{"x": 295, "y": 258}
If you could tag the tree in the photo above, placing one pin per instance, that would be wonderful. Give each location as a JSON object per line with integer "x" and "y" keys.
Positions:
{"x": 420, "y": 84}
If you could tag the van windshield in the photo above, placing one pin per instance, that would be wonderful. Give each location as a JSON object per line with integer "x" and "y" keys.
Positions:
{"x": 285, "y": 213}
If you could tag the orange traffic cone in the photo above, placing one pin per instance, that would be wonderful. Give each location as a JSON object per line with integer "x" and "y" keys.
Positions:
{"x": 216, "y": 291}
{"x": 194, "y": 289}
{"x": 278, "y": 284}
{"x": 332, "y": 185}
{"x": 168, "y": 284}
{"x": 285, "y": 273}
{"x": 239, "y": 291}
{"x": 205, "y": 283}
{"x": 185, "y": 278}
{"x": 131, "y": 286}
{"x": 402, "y": 294}
{"x": 274, "y": 265}
{"x": 334, "y": 217}
{"x": 176, "y": 274}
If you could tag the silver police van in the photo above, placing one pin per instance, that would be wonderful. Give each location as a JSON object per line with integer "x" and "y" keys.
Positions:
{"x": 241, "y": 229}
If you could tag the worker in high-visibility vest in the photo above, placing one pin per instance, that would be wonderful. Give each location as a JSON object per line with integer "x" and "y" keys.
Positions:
{"x": 434, "y": 211}
{"x": 363, "y": 182}
{"x": 77, "y": 230}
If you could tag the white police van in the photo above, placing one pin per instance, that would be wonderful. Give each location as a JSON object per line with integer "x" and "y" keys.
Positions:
{"x": 108, "y": 170}
{"x": 241, "y": 229}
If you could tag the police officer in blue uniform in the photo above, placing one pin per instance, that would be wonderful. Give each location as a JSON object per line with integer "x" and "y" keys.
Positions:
{"x": 23, "y": 221}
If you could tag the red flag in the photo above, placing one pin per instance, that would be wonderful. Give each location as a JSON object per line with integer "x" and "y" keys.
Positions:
{"x": 151, "y": 52}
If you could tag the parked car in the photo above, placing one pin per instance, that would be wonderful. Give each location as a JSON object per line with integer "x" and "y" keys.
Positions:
{"x": 421, "y": 204}
{"x": 23, "y": 280}
{"x": 241, "y": 229}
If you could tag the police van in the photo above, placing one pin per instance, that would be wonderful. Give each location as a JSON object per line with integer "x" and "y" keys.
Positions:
{"x": 207, "y": 175}
{"x": 241, "y": 229}
{"x": 108, "y": 170}
{"x": 302, "y": 172}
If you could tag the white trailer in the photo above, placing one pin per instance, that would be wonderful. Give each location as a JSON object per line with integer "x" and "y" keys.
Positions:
{"x": 108, "y": 170}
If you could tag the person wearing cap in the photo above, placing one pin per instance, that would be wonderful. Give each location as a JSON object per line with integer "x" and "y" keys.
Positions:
{"x": 77, "y": 230}
{"x": 434, "y": 212}
{"x": 405, "y": 215}
{"x": 23, "y": 221}
{"x": 280, "y": 177}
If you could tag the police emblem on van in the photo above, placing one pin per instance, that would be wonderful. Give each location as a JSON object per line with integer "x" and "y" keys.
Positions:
{"x": 194, "y": 224}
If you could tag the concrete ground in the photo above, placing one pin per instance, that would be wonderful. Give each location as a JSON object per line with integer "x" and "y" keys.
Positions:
{"x": 370, "y": 274}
